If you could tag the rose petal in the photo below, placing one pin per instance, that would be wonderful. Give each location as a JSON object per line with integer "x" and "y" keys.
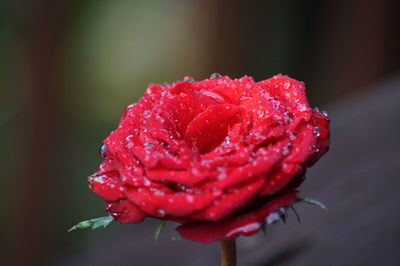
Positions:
{"x": 230, "y": 201}
{"x": 242, "y": 224}
{"x": 159, "y": 204}
{"x": 180, "y": 177}
{"x": 303, "y": 146}
{"x": 125, "y": 211}
{"x": 280, "y": 178}
{"x": 290, "y": 92}
{"x": 237, "y": 90}
{"x": 106, "y": 182}
{"x": 184, "y": 107}
{"x": 264, "y": 161}
{"x": 321, "y": 130}
{"x": 208, "y": 129}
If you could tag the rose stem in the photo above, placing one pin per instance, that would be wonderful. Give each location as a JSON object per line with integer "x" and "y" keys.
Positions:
{"x": 227, "y": 249}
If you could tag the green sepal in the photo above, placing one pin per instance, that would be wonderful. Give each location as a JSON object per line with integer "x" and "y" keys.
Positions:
{"x": 93, "y": 223}
{"x": 158, "y": 230}
{"x": 283, "y": 217}
{"x": 263, "y": 229}
{"x": 312, "y": 202}
{"x": 295, "y": 212}
{"x": 176, "y": 238}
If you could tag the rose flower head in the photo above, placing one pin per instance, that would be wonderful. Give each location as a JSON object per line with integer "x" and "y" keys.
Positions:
{"x": 223, "y": 157}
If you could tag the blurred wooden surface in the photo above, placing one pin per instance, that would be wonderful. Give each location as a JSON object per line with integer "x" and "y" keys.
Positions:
{"x": 358, "y": 180}
{"x": 38, "y": 136}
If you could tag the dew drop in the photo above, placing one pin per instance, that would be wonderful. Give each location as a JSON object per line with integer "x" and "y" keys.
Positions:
{"x": 190, "y": 198}
{"x": 272, "y": 218}
{"x": 286, "y": 150}
{"x": 288, "y": 117}
{"x": 146, "y": 182}
{"x": 196, "y": 172}
{"x": 161, "y": 212}
{"x": 314, "y": 148}
{"x": 301, "y": 108}
{"x": 217, "y": 193}
{"x": 96, "y": 179}
{"x": 150, "y": 145}
{"x": 246, "y": 229}
{"x": 316, "y": 131}
{"x": 159, "y": 193}
{"x": 103, "y": 151}
{"x": 146, "y": 114}
{"x": 215, "y": 76}
{"x": 286, "y": 85}
{"x": 188, "y": 79}
{"x": 222, "y": 173}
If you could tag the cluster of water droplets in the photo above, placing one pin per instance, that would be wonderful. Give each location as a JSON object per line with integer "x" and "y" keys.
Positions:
{"x": 325, "y": 113}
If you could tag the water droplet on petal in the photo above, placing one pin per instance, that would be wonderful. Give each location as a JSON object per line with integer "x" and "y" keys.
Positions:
{"x": 161, "y": 212}
{"x": 272, "y": 218}
{"x": 246, "y": 229}
{"x": 222, "y": 173}
{"x": 146, "y": 182}
{"x": 188, "y": 79}
{"x": 217, "y": 193}
{"x": 288, "y": 116}
{"x": 215, "y": 76}
{"x": 146, "y": 114}
{"x": 286, "y": 85}
{"x": 301, "y": 108}
{"x": 150, "y": 145}
{"x": 316, "y": 131}
{"x": 103, "y": 151}
{"x": 286, "y": 149}
{"x": 159, "y": 193}
{"x": 314, "y": 148}
{"x": 190, "y": 198}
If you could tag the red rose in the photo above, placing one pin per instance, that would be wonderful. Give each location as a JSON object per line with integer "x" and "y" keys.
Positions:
{"x": 222, "y": 157}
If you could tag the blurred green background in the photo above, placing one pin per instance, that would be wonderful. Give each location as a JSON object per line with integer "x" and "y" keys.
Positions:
{"x": 68, "y": 69}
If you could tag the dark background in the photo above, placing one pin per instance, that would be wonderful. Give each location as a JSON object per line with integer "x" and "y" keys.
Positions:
{"x": 68, "y": 68}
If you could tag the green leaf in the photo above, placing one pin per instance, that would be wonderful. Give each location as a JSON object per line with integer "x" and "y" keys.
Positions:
{"x": 93, "y": 223}
{"x": 312, "y": 202}
{"x": 175, "y": 238}
{"x": 159, "y": 227}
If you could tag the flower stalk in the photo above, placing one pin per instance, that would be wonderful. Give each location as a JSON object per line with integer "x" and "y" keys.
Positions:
{"x": 227, "y": 250}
